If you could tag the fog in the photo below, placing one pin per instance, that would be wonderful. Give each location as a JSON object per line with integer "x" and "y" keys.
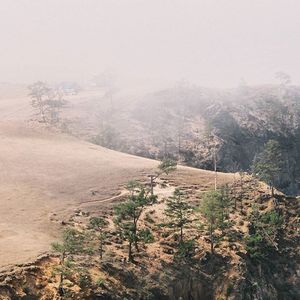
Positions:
{"x": 214, "y": 43}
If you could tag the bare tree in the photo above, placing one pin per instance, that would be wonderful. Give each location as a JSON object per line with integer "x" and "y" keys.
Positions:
{"x": 47, "y": 101}
{"x": 39, "y": 96}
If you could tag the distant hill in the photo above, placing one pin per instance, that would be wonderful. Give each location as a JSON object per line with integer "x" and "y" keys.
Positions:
{"x": 177, "y": 122}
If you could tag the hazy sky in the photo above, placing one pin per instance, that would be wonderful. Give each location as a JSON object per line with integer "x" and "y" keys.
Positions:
{"x": 209, "y": 42}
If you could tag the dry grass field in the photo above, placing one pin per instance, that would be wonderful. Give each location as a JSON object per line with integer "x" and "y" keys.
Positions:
{"x": 44, "y": 174}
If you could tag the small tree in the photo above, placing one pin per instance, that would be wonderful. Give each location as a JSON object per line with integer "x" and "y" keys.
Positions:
{"x": 38, "y": 93}
{"x": 46, "y": 101}
{"x": 179, "y": 212}
{"x": 54, "y": 103}
{"x": 165, "y": 167}
{"x": 225, "y": 202}
{"x": 263, "y": 233}
{"x": 242, "y": 190}
{"x": 72, "y": 243}
{"x": 99, "y": 224}
{"x": 129, "y": 213}
{"x": 212, "y": 212}
{"x": 268, "y": 164}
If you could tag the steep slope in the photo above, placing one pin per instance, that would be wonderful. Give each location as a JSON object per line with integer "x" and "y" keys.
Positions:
{"x": 159, "y": 272}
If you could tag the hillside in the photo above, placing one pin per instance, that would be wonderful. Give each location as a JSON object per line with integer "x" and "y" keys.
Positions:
{"x": 158, "y": 271}
{"x": 45, "y": 176}
{"x": 56, "y": 178}
{"x": 187, "y": 122}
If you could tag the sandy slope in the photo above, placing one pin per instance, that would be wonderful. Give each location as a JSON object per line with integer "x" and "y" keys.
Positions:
{"x": 42, "y": 173}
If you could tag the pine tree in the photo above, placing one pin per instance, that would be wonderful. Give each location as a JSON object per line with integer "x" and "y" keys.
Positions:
{"x": 178, "y": 211}
{"x": 263, "y": 233}
{"x": 225, "y": 202}
{"x": 129, "y": 213}
{"x": 72, "y": 244}
{"x": 165, "y": 167}
{"x": 212, "y": 212}
{"x": 268, "y": 164}
{"x": 99, "y": 224}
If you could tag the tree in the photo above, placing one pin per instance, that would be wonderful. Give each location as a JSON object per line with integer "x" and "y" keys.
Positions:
{"x": 46, "y": 101}
{"x": 242, "y": 190}
{"x": 225, "y": 202}
{"x": 213, "y": 141}
{"x": 99, "y": 224}
{"x": 179, "y": 211}
{"x": 212, "y": 212}
{"x": 54, "y": 104}
{"x": 165, "y": 167}
{"x": 263, "y": 233}
{"x": 109, "y": 138}
{"x": 72, "y": 243}
{"x": 129, "y": 213}
{"x": 38, "y": 93}
{"x": 268, "y": 164}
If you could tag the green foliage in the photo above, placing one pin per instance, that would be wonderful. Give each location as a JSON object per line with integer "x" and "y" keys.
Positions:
{"x": 127, "y": 214}
{"x": 133, "y": 185}
{"x": 224, "y": 203}
{"x": 186, "y": 249}
{"x": 72, "y": 242}
{"x": 98, "y": 223}
{"x": 148, "y": 218}
{"x": 146, "y": 236}
{"x": 229, "y": 290}
{"x": 167, "y": 166}
{"x": 178, "y": 211}
{"x": 269, "y": 163}
{"x": 263, "y": 234}
{"x": 214, "y": 208}
{"x": 211, "y": 208}
{"x": 67, "y": 268}
{"x": 84, "y": 279}
{"x": 100, "y": 282}
{"x": 255, "y": 246}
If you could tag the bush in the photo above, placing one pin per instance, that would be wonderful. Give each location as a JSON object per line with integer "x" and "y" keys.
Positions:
{"x": 84, "y": 279}
{"x": 186, "y": 249}
{"x": 146, "y": 236}
{"x": 264, "y": 231}
{"x": 100, "y": 282}
{"x": 148, "y": 218}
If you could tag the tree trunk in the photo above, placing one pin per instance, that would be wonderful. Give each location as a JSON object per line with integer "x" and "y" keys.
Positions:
{"x": 181, "y": 234}
{"x": 101, "y": 248}
{"x": 151, "y": 185}
{"x": 215, "y": 168}
{"x": 211, "y": 240}
{"x": 136, "y": 246}
{"x": 135, "y": 236}
{"x": 61, "y": 277}
{"x": 272, "y": 190}
{"x": 130, "y": 257}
